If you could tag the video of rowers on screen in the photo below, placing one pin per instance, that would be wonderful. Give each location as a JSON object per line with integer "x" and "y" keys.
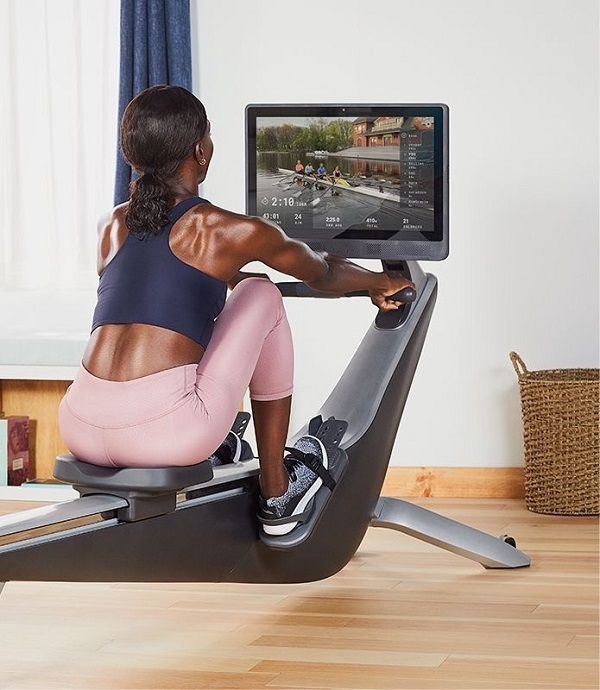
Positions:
{"x": 342, "y": 176}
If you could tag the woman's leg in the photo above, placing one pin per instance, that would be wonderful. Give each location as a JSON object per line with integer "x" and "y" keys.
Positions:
{"x": 252, "y": 347}
{"x": 252, "y": 342}
{"x": 271, "y": 423}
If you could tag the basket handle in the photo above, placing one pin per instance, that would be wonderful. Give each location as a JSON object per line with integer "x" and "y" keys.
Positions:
{"x": 518, "y": 364}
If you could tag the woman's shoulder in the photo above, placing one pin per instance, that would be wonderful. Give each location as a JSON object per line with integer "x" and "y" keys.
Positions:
{"x": 110, "y": 219}
{"x": 112, "y": 232}
{"x": 240, "y": 232}
{"x": 216, "y": 216}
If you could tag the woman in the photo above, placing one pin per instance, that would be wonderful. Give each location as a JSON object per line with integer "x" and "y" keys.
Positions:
{"x": 169, "y": 359}
{"x": 337, "y": 175}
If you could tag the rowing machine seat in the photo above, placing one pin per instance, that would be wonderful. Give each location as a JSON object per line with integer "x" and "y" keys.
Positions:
{"x": 69, "y": 469}
{"x": 150, "y": 491}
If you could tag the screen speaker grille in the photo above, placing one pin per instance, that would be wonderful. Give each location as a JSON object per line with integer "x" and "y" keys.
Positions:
{"x": 372, "y": 249}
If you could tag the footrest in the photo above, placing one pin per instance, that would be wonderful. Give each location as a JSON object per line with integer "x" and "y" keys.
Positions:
{"x": 240, "y": 423}
{"x": 330, "y": 434}
{"x": 69, "y": 469}
{"x": 239, "y": 426}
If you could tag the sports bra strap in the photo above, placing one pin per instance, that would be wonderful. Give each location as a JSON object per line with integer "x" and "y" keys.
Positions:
{"x": 179, "y": 209}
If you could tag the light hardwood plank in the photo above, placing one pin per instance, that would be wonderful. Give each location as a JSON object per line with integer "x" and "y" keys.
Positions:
{"x": 401, "y": 614}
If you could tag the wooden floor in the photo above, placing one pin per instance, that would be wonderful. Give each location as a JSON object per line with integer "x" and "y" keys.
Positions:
{"x": 402, "y": 614}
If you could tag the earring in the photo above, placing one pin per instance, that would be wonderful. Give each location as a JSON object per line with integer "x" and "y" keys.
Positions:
{"x": 202, "y": 161}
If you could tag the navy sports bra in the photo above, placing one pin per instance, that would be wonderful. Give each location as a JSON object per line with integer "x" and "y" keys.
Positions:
{"x": 146, "y": 283}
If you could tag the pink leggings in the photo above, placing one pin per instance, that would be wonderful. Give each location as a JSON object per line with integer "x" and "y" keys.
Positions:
{"x": 181, "y": 415}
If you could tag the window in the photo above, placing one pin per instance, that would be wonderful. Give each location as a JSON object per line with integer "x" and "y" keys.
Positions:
{"x": 59, "y": 64}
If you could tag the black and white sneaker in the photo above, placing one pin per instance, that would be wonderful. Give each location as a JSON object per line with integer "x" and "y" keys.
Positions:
{"x": 307, "y": 465}
{"x": 229, "y": 452}
{"x": 234, "y": 448}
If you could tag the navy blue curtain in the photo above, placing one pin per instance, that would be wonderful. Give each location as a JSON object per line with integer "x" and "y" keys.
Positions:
{"x": 155, "y": 49}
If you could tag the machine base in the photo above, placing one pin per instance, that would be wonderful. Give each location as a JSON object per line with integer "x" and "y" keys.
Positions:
{"x": 430, "y": 527}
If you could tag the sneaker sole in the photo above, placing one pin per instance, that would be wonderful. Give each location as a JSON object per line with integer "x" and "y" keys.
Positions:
{"x": 280, "y": 530}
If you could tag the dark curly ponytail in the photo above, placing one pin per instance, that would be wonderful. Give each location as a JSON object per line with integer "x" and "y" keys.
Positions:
{"x": 159, "y": 130}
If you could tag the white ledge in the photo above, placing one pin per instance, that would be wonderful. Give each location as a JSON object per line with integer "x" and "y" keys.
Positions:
{"x": 43, "y": 333}
{"x": 45, "y": 493}
{"x": 23, "y": 372}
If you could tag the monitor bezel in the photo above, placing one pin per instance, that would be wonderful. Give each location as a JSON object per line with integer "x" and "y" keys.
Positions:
{"x": 431, "y": 246}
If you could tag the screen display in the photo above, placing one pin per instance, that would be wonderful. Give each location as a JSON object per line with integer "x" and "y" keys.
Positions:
{"x": 356, "y": 180}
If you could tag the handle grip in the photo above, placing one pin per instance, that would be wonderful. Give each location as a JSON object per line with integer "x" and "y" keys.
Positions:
{"x": 407, "y": 294}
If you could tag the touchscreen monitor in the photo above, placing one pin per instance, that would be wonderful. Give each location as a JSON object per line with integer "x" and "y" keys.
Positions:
{"x": 360, "y": 181}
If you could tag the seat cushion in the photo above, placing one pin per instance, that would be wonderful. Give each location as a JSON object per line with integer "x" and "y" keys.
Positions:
{"x": 69, "y": 469}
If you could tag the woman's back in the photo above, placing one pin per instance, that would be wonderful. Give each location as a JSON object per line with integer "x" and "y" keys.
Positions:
{"x": 158, "y": 297}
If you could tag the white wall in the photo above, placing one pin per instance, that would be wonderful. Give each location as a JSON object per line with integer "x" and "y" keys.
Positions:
{"x": 521, "y": 80}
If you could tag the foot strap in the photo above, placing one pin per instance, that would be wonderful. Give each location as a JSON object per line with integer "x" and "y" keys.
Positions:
{"x": 314, "y": 464}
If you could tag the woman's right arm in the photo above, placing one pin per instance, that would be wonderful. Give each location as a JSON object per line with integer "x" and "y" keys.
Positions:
{"x": 322, "y": 271}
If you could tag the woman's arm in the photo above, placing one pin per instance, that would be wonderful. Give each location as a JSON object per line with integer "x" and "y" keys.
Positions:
{"x": 323, "y": 271}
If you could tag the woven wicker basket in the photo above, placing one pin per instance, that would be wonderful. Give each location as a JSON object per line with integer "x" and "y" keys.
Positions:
{"x": 560, "y": 436}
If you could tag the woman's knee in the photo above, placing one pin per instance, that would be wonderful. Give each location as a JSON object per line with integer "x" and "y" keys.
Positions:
{"x": 260, "y": 293}
{"x": 257, "y": 285}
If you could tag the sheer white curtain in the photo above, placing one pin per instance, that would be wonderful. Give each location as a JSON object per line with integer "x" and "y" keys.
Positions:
{"x": 59, "y": 68}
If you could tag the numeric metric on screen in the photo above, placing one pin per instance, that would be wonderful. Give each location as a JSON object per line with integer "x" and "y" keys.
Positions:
{"x": 286, "y": 201}
{"x": 275, "y": 217}
{"x": 296, "y": 218}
